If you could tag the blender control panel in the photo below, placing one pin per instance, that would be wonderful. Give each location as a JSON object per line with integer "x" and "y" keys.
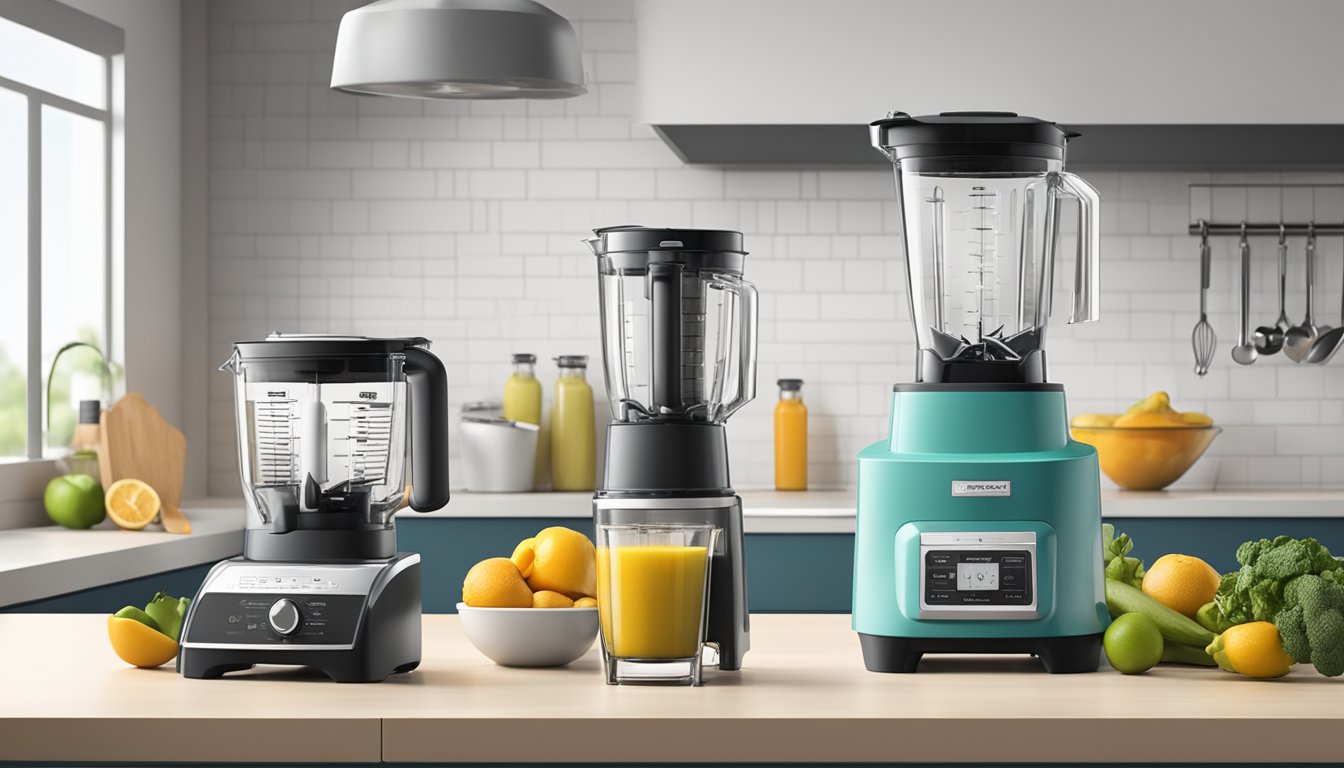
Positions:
{"x": 267, "y": 619}
{"x": 977, "y": 575}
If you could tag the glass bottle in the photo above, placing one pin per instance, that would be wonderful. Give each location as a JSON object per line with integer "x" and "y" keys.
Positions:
{"x": 790, "y": 437}
{"x": 573, "y": 429}
{"x": 522, "y": 391}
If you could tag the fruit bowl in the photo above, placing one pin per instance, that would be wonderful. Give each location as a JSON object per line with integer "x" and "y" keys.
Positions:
{"x": 1147, "y": 458}
{"x": 530, "y": 637}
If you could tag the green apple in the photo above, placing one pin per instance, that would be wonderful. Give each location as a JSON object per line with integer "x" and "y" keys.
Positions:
{"x": 74, "y": 501}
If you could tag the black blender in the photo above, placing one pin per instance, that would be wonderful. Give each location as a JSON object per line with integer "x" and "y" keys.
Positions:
{"x": 322, "y": 441}
{"x": 679, "y": 344}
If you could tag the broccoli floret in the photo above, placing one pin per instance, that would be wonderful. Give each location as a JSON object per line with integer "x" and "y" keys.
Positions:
{"x": 1256, "y": 591}
{"x": 1311, "y": 624}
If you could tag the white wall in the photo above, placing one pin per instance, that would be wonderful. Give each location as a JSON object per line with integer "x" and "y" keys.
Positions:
{"x": 461, "y": 222}
{"x": 150, "y": 337}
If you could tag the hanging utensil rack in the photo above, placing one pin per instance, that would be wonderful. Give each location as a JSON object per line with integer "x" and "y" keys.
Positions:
{"x": 1267, "y": 209}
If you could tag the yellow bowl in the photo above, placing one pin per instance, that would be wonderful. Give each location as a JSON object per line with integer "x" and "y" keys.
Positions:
{"x": 1147, "y": 458}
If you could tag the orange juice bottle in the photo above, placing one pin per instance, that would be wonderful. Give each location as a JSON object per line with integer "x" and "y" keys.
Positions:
{"x": 790, "y": 437}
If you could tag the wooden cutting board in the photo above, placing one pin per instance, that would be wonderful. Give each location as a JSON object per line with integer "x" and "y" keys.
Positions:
{"x": 138, "y": 443}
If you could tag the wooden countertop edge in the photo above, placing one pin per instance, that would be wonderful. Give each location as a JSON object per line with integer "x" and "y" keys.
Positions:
{"x": 823, "y": 740}
{"x": 187, "y": 739}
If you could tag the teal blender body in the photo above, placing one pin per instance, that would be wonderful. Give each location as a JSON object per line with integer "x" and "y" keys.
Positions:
{"x": 979, "y": 519}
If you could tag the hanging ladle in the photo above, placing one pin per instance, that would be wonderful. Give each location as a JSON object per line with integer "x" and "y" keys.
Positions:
{"x": 1269, "y": 338}
{"x": 1298, "y": 340}
{"x": 1244, "y": 353}
{"x": 1329, "y": 342}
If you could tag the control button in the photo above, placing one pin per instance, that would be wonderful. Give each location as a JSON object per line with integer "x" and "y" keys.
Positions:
{"x": 284, "y": 616}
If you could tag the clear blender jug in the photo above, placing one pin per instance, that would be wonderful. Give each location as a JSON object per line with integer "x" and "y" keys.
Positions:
{"x": 980, "y": 196}
{"x": 678, "y": 323}
{"x": 322, "y": 438}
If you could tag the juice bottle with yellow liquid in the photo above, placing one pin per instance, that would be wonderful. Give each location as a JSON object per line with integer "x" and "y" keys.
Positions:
{"x": 790, "y": 437}
{"x": 522, "y": 391}
{"x": 573, "y": 429}
{"x": 652, "y": 584}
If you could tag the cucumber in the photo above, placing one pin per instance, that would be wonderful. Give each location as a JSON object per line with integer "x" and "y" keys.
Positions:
{"x": 1175, "y": 653}
{"x": 1122, "y": 598}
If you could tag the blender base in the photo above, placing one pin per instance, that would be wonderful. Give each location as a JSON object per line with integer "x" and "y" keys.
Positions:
{"x": 357, "y": 622}
{"x": 1059, "y": 655}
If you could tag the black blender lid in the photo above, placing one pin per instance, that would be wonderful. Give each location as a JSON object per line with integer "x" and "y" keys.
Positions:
{"x": 632, "y": 248}
{"x": 630, "y": 238}
{"x": 291, "y": 345}
{"x": 969, "y": 133}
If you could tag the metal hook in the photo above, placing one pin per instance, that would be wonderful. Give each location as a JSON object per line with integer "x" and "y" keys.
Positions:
{"x": 1203, "y": 232}
{"x": 1283, "y": 234}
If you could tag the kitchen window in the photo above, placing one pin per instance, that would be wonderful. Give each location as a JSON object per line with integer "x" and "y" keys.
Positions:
{"x": 60, "y": 128}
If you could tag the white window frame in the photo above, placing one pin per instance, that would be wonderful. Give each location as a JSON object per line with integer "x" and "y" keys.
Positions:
{"x": 21, "y": 481}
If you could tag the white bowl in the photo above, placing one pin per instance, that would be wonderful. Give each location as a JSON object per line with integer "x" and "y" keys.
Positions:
{"x": 530, "y": 637}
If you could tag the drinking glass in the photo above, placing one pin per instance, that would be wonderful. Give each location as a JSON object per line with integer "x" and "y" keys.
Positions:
{"x": 652, "y": 592}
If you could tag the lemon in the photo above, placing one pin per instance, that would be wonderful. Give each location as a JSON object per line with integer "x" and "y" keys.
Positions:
{"x": 1086, "y": 420}
{"x": 139, "y": 645}
{"x": 1253, "y": 649}
{"x": 1181, "y": 582}
{"x": 524, "y": 555}
{"x": 496, "y": 583}
{"x": 548, "y": 599}
{"x": 586, "y": 602}
{"x": 131, "y": 504}
{"x": 1158, "y": 402}
{"x": 565, "y": 561}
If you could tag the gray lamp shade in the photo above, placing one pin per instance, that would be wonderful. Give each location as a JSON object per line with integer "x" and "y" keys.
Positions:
{"x": 457, "y": 49}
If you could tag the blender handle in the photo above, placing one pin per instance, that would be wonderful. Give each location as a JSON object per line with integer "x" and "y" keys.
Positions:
{"x": 663, "y": 290}
{"x": 1087, "y": 273}
{"x": 746, "y": 347}
{"x": 427, "y": 383}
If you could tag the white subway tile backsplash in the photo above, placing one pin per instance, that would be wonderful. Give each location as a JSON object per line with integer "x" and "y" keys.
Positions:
{"x": 461, "y": 221}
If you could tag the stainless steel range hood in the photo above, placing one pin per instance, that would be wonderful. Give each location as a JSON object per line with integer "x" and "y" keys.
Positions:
{"x": 1201, "y": 84}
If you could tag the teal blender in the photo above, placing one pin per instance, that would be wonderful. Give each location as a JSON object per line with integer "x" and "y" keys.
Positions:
{"x": 979, "y": 519}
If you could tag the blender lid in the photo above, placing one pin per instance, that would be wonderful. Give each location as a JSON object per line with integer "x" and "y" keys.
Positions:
{"x": 969, "y": 133}
{"x": 291, "y": 345}
{"x": 634, "y": 247}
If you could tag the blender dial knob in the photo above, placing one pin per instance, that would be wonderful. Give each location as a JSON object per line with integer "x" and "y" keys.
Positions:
{"x": 284, "y": 616}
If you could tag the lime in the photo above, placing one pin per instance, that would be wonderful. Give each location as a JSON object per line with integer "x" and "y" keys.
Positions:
{"x": 1133, "y": 643}
{"x": 74, "y": 501}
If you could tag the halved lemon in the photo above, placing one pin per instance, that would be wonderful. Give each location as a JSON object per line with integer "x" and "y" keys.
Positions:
{"x": 131, "y": 504}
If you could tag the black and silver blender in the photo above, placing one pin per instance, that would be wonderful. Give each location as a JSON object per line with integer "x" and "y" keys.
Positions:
{"x": 679, "y": 343}
{"x": 322, "y": 442}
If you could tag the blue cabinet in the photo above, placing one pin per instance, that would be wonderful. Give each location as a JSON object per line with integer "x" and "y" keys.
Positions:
{"x": 786, "y": 573}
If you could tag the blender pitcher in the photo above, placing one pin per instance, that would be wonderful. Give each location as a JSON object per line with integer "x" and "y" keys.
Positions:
{"x": 980, "y": 196}
{"x": 322, "y": 441}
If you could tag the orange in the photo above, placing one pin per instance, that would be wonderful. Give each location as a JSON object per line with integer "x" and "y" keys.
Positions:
{"x": 496, "y": 583}
{"x": 586, "y": 602}
{"x": 564, "y": 561}
{"x": 131, "y": 504}
{"x": 1181, "y": 582}
{"x": 548, "y": 599}
{"x": 139, "y": 645}
{"x": 524, "y": 555}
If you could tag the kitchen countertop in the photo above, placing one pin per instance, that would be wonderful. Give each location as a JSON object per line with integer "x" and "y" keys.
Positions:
{"x": 40, "y": 562}
{"x": 804, "y": 696}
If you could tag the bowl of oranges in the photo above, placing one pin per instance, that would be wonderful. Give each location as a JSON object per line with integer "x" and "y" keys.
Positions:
{"x": 535, "y": 608}
{"x": 1149, "y": 446}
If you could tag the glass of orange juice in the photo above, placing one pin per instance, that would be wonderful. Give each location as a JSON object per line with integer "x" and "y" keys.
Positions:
{"x": 652, "y": 592}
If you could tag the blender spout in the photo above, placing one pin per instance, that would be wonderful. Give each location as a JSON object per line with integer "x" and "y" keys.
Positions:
{"x": 593, "y": 243}
{"x": 231, "y": 365}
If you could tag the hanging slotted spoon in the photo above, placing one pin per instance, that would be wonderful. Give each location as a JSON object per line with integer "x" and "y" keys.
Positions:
{"x": 1298, "y": 340}
{"x": 1202, "y": 339}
